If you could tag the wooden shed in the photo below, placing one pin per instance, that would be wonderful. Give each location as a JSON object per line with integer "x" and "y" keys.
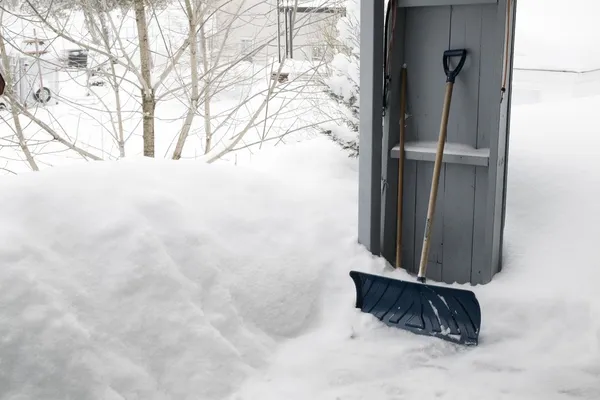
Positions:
{"x": 469, "y": 220}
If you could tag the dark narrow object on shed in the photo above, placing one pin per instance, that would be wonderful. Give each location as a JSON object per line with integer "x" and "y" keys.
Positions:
{"x": 443, "y": 312}
{"x": 401, "y": 168}
{"x": 2, "y": 84}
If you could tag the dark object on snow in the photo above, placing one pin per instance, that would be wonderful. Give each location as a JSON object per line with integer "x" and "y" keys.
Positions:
{"x": 447, "y": 313}
{"x": 77, "y": 58}
{"x": 43, "y": 95}
{"x": 2, "y": 85}
{"x": 283, "y": 77}
{"x": 444, "y": 312}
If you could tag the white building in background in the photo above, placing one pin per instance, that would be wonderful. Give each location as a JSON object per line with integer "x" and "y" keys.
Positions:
{"x": 267, "y": 29}
{"x": 533, "y": 85}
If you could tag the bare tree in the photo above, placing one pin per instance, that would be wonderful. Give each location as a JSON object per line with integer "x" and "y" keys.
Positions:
{"x": 10, "y": 96}
{"x": 148, "y": 99}
{"x": 195, "y": 13}
{"x": 341, "y": 81}
{"x": 24, "y": 119}
{"x": 96, "y": 14}
{"x": 220, "y": 68}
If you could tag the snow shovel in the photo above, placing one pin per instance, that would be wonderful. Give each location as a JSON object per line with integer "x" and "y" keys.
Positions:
{"x": 444, "y": 312}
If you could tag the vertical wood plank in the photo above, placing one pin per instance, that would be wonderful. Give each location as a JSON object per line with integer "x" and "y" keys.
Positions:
{"x": 459, "y": 192}
{"x": 370, "y": 136}
{"x": 467, "y": 232}
{"x": 504, "y": 136}
{"x": 426, "y": 39}
{"x": 489, "y": 106}
{"x": 391, "y": 136}
{"x": 498, "y": 134}
{"x": 409, "y": 260}
{"x": 424, "y": 179}
{"x": 481, "y": 252}
{"x": 458, "y": 223}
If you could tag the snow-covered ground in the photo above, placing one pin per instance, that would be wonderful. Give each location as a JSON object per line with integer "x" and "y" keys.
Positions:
{"x": 140, "y": 279}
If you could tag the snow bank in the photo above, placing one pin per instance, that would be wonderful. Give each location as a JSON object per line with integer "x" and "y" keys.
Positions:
{"x": 176, "y": 280}
{"x": 540, "y": 334}
{"x": 155, "y": 280}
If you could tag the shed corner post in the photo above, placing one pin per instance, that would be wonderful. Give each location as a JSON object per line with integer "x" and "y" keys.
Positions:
{"x": 370, "y": 124}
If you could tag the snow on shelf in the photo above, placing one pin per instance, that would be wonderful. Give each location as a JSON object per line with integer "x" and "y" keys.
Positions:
{"x": 454, "y": 153}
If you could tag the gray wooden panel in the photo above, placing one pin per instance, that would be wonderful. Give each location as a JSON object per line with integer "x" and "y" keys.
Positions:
{"x": 429, "y": 3}
{"x": 491, "y": 75}
{"x": 489, "y": 107}
{"x": 504, "y": 133}
{"x": 465, "y": 33}
{"x": 410, "y": 259}
{"x": 481, "y": 251}
{"x": 424, "y": 176}
{"x": 434, "y": 271}
{"x": 508, "y": 98}
{"x": 497, "y": 155}
{"x": 369, "y": 168}
{"x": 426, "y": 39}
{"x": 458, "y": 223}
{"x": 391, "y": 137}
{"x": 459, "y": 192}
{"x": 467, "y": 231}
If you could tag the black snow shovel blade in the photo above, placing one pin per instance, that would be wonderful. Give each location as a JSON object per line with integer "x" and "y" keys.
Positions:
{"x": 446, "y": 313}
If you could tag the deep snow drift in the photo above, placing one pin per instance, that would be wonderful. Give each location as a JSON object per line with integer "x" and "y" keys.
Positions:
{"x": 540, "y": 334}
{"x": 161, "y": 280}
{"x": 176, "y": 280}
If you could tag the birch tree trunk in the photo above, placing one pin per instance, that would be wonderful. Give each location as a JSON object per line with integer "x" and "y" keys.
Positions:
{"x": 194, "y": 17}
{"x": 148, "y": 98}
{"x": 207, "y": 88}
{"x": 115, "y": 85}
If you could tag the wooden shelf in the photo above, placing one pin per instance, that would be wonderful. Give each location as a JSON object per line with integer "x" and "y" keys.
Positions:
{"x": 453, "y": 153}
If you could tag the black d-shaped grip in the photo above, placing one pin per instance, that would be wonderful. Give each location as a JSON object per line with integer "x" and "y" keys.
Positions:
{"x": 452, "y": 74}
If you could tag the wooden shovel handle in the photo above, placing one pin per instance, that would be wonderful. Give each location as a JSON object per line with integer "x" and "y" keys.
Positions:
{"x": 435, "y": 182}
{"x": 401, "y": 167}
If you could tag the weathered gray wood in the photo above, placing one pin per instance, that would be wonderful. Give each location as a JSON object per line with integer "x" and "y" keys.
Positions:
{"x": 429, "y": 3}
{"x": 424, "y": 176}
{"x": 371, "y": 104}
{"x": 426, "y": 39}
{"x": 455, "y": 154}
{"x": 423, "y": 56}
{"x": 468, "y": 223}
{"x": 391, "y": 137}
{"x": 489, "y": 106}
{"x": 465, "y": 32}
{"x": 480, "y": 260}
{"x": 504, "y": 133}
{"x": 410, "y": 259}
{"x": 508, "y": 99}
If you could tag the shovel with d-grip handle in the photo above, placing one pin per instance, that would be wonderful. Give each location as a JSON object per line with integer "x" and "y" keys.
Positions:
{"x": 437, "y": 167}
{"x": 440, "y": 311}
